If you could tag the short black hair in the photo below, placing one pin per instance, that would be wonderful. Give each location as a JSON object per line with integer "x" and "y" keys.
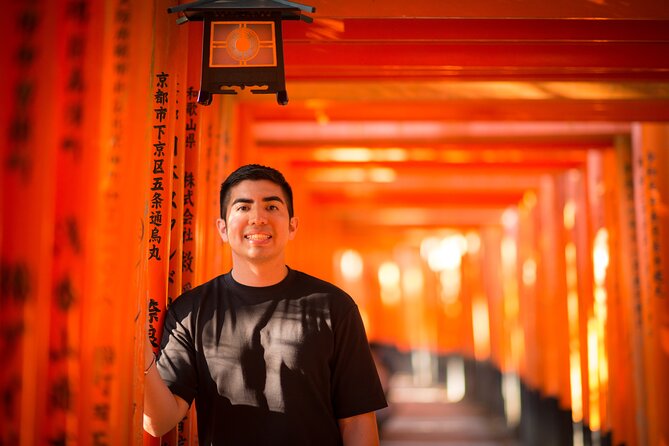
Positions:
{"x": 255, "y": 172}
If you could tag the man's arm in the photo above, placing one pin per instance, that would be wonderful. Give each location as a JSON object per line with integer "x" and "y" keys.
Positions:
{"x": 359, "y": 430}
{"x": 162, "y": 409}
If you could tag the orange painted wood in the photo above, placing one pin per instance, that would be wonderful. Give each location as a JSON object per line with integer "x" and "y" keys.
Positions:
{"x": 27, "y": 222}
{"x": 600, "y": 304}
{"x": 78, "y": 246}
{"x": 473, "y": 29}
{"x": 529, "y": 316}
{"x": 74, "y": 164}
{"x": 651, "y": 195}
{"x": 190, "y": 184}
{"x": 475, "y": 60}
{"x": 169, "y": 92}
{"x": 340, "y": 105}
{"x": 582, "y": 239}
{"x": 553, "y": 323}
{"x": 491, "y": 239}
{"x": 626, "y": 368}
{"x": 647, "y": 9}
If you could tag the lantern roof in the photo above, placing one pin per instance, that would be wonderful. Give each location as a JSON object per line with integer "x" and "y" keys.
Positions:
{"x": 199, "y": 9}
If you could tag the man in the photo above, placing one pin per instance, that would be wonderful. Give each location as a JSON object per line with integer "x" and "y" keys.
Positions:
{"x": 269, "y": 354}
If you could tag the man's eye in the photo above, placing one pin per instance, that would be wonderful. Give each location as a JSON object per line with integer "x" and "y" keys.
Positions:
{"x": 272, "y": 207}
{"x": 242, "y": 208}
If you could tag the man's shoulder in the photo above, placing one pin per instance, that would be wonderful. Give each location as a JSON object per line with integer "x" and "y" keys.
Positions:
{"x": 308, "y": 281}
{"x": 193, "y": 297}
{"x": 312, "y": 285}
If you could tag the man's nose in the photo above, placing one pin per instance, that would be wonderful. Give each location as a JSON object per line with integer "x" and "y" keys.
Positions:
{"x": 258, "y": 216}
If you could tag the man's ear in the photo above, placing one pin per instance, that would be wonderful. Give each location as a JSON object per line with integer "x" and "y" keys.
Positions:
{"x": 292, "y": 227}
{"x": 222, "y": 229}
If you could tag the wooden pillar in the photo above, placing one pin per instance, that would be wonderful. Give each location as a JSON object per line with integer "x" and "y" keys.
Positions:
{"x": 28, "y": 156}
{"x": 628, "y": 399}
{"x": 650, "y": 160}
{"x": 553, "y": 324}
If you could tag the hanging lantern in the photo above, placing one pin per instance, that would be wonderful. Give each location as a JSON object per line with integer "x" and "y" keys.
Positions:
{"x": 242, "y": 45}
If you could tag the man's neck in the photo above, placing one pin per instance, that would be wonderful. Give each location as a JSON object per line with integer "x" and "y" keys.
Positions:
{"x": 258, "y": 275}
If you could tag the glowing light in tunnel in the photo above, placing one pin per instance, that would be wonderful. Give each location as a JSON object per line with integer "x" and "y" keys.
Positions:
{"x": 447, "y": 254}
{"x": 509, "y": 252}
{"x": 593, "y": 375}
{"x": 569, "y": 215}
{"x": 455, "y": 379}
{"x": 351, "y": 265}
{"x": 512, "y": 398}
{"x": 597, "y": 350}
{"x": 529, "y": 272}
{"x": 352, "y": 175}
{"x": 382, "y": 175}
{"x": 511, "y": 298}
{"x": 576, "y": 387}
{"x": 413, "y": 282}
{"x": 451, "y": 282}
{"x": 510, "y": 218}
{"x": 481, "y": 327}
{"x": 444, "y": 256}
{"x": 570, "y": 258}
{"x": 473, "y": 242}
{"x": 600, "y": 255}
{"x": 361, "y": 154}
{"x": 427, "y": 245}
{"x": 349, "y": 154}
{"x": 573, "y": 322}
{"x": 389, "y": 281}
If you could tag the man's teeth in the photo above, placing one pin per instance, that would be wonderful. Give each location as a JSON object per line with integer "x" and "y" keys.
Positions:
{"x": 257, "y": 236}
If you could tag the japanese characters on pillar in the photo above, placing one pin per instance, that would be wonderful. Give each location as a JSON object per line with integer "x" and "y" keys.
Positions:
{"x": 166, "y": 185}
{"x": 623, "y": 368}
{"x": 189, "y": 191}
{"x": 18, "y": 272}
{"x": 652, "y": 197}
{"x": 159, "y": 208}
{"x": 105, "y": 346}
{"x": 26, "y": 177}
{"x": 69, "y": 261}
{"x": 176, "y": 202}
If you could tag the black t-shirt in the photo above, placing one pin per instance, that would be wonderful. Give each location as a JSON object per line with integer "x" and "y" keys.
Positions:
{"x": 269, "y": 365}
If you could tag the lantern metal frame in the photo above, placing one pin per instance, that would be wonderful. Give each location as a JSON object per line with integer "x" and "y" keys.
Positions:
{"x": 241, "y": 19}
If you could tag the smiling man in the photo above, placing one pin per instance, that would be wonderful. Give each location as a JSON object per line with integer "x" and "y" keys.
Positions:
{"x": 270, "y": 355}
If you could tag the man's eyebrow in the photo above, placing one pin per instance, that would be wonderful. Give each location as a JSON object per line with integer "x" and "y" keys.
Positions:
{"x": 242, "y": 200}
{"x": 250, "y": 201}
{"x": 273, "y": 198}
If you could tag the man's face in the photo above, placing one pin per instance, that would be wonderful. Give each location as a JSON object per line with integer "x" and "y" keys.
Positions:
{"x": 257, "y": 225}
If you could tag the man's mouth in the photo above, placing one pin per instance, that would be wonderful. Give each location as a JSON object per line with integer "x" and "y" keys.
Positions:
{"x": 257, "y": 237}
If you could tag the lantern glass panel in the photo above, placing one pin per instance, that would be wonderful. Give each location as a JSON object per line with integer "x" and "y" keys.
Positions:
{"x": 242, "y": 44}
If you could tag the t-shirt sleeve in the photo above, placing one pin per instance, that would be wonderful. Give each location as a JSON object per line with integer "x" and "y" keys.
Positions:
{"x": 176, "y": 362}
{"x": 355, "y": 382}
